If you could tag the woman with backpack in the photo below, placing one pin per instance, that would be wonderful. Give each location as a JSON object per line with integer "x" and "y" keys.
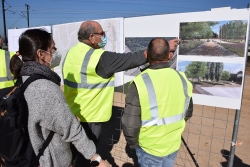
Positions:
{"x": 48, "y": 110}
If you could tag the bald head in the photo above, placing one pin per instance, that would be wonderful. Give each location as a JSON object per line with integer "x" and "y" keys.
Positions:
{"x": 87, "y": 28}
{"x": 158, "y": 50}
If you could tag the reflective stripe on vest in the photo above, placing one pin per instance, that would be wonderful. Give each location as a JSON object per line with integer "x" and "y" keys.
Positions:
{"x": 155, "y": 121}
{"x": 7, "y": 62}
{"x": 84, "y": 83}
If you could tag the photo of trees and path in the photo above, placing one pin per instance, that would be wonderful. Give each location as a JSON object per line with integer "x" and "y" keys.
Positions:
{"x": 214, "y": 78}
{"x": 213, "y": 38}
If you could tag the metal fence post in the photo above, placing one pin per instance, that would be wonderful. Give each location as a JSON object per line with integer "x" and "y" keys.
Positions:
{"x": 234, "y": 138}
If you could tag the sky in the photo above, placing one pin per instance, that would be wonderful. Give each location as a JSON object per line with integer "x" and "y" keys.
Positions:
{"x": 50, "y": 12}
{"x": 230, "y": 67}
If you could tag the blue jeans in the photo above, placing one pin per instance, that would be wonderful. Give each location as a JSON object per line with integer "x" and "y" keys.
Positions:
{"x": 147, "y": 160}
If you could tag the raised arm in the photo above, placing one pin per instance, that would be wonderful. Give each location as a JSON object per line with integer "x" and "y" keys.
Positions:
{"x": 111, "y": 62}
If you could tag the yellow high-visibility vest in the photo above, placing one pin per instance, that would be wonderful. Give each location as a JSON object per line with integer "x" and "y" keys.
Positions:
{"x": 6, "y": 78}
{"x": 89, "y": 96}
{"x": 164, "y": 96}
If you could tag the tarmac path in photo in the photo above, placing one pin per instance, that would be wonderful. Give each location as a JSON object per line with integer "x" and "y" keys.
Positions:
{"x": 230, "y": 92}
{"x": 211, "y": 48}
{"x": 238, "y": 46}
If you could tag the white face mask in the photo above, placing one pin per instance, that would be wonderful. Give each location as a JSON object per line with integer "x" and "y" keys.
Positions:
{"x": 20, "y": 57}
{"x": 55, "y": 60}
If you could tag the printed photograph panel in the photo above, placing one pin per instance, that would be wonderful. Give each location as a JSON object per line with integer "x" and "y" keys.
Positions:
{"x": 213, "y": 38}
{"x": 214, "y": 78}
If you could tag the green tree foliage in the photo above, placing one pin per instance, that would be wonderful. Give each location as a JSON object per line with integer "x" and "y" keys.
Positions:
{"x": 212, "y": 23}
{"x": 218, "y": 71}
{"x": 208, "y": 71}
{"x": 234, "y": 30}
{"x": 196, "y": 70}
{"x": 212, "y": 71}
{"x": 225, "y": 75}
{"x": 196, "y": 30}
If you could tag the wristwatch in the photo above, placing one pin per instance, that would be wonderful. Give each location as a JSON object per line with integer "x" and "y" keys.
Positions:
{"x": 96, "y": 161}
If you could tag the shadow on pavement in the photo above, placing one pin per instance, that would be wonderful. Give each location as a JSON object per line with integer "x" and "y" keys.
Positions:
{"x": 127, "y": 164}
{"x": 111, "y": 132}
{"x": 237, "y": 161}
{"x": 131, "y": 154}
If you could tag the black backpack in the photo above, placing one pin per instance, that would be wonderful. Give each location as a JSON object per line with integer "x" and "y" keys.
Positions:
{"x": 15, "y": 146}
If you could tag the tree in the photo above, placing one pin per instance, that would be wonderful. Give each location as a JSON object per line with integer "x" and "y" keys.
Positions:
{"x": 208, "y": 71}
{"x": 212, "y": 23}
{"x": 212, "y": 71}
{"x": 196, "y": 70}
{"x": 225, "y": 75}
{"x": 218, "y": 71}
{"x": 233, "y": 30}
{"x": 196, "y": 30}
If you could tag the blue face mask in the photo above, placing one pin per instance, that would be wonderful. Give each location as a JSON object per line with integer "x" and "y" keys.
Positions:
{"x": 103, "y": 43}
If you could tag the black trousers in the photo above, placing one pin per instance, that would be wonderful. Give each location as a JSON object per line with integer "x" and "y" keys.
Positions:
{"x": 93, "y": 131}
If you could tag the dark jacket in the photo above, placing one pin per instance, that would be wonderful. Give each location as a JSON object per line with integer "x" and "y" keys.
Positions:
{"x": 131, "y": 119}
{"x": 111, "y": 62}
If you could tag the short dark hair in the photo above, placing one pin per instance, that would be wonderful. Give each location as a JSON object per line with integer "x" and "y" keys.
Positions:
{"x": 32, "y": 40}
{"x": 85, "y": 31}
{"x": 158, "y": 49}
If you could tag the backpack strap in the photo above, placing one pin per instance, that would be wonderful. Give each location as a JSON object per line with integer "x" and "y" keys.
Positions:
{"x": 31, "y": 79}
{"x": 41, "y": 150}
{"x": 51, "y": 134}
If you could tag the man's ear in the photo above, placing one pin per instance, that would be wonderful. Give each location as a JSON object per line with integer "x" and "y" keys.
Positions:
{"x": 92, "y": 41}
{"x": 145, "y": 54}
{"x": 170, "y": 55}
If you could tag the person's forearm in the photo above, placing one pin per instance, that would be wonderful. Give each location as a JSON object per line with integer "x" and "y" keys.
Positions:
{"x": 189, "y": 112}
{"x": 132, "y": 141}
{"x": 131, "y": 128}
{"x": 111, "y": 62}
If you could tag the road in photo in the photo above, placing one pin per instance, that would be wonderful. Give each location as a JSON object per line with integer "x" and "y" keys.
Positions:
{"x": 211, "y": 47}
{"x": 213, "y": 38}
{"x": 232, "y": 92}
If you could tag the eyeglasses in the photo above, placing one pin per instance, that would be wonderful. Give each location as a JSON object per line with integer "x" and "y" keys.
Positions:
{"x": 54, "y": 48}
{"x": 102, "y": 33}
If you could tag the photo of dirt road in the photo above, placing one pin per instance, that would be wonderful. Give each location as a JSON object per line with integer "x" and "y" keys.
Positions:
{"x": 224, "y": 38}
{"x": 214, "y": 78}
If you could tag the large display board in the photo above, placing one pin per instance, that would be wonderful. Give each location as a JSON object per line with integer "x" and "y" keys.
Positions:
{"x": 65, "y": 37}
{"x": 14, "y": 34}
{"x": 212, "y": 52}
